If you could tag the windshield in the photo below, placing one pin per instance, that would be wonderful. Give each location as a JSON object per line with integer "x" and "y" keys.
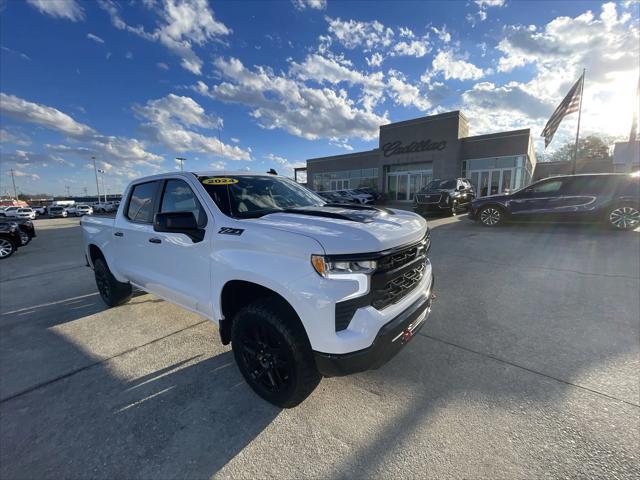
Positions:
{"x": 441, "y": 185}
{"x": 249, "y": 196}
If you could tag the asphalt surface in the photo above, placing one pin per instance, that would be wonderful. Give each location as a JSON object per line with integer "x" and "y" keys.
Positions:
{"x": 528, "y": 367}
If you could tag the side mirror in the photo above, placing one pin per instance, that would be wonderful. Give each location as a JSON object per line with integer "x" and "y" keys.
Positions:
{"x": 178, "y": 222}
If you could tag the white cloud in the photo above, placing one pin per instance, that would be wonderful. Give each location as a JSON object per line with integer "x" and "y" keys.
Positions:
{"x": 607, "y": 45}
{"x": 29, "y": 175}
{"x": 128, "y": 55}
{"x": 445, "y": 62}
{"x": 406, "y": 32}
{"x": 68, "y": 9}
{"x": 368, "y": 35}
{"x": 172, "y": 120}
{"x": 24, "y": 56}
{"x": 313, "y": 4}
{"x": 217, "y": 165}
{"x": 336, "y": 70}
{"x": 404, "y": 93}
{"x": 375, "y": 60}
{"x": 483, "y": 5}
{"x": 235, "y": 140}
{"x": 442, "y": 33}
{"x": 415, "y": 48}
{"x": 48, "y": 117}
{"x": 281, "y": 102}
{"x": 162, "y": 66}
{"x": 95, "y": 38}
{"x": 284, "y": 163}
{"x": 87, "y": 141}
{"x": 13, "y": 138}
{"x": 181, "y": 25}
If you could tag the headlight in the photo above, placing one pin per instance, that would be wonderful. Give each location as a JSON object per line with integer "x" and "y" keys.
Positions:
{"x": 326, "y": 267}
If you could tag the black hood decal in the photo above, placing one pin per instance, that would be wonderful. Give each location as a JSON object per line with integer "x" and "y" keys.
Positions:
{"x": 340, "y": 212}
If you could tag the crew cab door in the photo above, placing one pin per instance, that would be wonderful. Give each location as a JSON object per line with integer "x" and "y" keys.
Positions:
{"x": 538, "y": 200}
{"x": 183, "y": 264}
{"x": 170, "y": 265}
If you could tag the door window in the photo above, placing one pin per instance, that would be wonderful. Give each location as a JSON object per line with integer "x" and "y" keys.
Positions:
{"x": 178, "y": 197}
{"x": 550, "y": 186}
{"x": 141, "y": 202}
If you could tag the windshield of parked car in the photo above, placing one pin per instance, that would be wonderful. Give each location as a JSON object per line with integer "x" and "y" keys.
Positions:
{"x": 441, "y": 185}
{"x": 250, "y": 196}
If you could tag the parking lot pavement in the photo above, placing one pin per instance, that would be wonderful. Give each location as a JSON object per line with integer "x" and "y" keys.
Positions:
{"x": 528, "y": 367}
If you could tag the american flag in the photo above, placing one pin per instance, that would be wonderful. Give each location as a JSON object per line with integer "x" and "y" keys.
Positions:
{"x": 570, "y": 104}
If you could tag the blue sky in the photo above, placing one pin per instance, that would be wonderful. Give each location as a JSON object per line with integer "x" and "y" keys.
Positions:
{"x": 259, "y": 85}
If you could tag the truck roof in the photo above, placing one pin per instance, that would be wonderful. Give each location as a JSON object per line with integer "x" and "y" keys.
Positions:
{"x": 207, "y": 173}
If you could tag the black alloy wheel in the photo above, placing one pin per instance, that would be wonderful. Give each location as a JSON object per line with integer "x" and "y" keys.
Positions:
{"x": 267, "y": 360}
{"x": 273, "y": 354}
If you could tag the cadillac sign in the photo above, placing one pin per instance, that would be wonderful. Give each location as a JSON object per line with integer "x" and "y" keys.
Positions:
{"x": 396, "y": 148}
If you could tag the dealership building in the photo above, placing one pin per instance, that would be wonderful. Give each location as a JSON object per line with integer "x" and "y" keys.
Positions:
{"x": 414, "y": 152}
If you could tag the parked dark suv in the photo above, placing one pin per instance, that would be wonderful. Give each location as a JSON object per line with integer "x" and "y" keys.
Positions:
{"x": 613, "y": 199}
{"x": 449, "y": 195}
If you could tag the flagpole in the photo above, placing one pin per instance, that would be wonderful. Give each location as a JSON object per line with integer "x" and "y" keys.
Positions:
{"x": 575, "y": 148}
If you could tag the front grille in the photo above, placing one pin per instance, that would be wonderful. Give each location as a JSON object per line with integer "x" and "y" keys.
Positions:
{"x": 398, "y": 273}
{"x": 395, "y": 289}
{"x": 428, "y": 198}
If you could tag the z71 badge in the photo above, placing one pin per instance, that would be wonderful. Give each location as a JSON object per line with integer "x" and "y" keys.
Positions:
{"x": 231, "y": 231}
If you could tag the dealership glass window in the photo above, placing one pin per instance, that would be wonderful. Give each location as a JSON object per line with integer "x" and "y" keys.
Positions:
{"x": 345, "y": 179}
{"x": 497, "y": 174}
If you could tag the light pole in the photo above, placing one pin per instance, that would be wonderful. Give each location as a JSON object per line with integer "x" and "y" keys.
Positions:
{"x": 13, "y": 180}
{"x": 104, "y": 190}
{"x": 95, "y": 170}
{"x": 181, "y": 160}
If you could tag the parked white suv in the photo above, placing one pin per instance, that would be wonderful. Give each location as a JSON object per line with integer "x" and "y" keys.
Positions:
{"x": 299, "y": 289}
{"x": 362, "y": 198}
{"x": 80, "y": 210}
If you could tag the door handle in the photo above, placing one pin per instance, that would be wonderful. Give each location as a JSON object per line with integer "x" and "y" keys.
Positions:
{"x": 119, "y": 234}
{"x": 155, "y": 240}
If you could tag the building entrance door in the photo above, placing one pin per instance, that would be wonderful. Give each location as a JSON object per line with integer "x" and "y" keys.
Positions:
{"x": 402, "y": 186}
{"x": 492, "y": 182}
{"x": 339, "y": 184}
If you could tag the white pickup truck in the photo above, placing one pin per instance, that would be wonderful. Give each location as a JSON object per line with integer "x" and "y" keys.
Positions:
{"x": 301, "y": 288}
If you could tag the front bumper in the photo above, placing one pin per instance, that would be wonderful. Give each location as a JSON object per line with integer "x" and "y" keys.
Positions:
{"x": 391, "y": 338}
{"x": 421, "y": 208}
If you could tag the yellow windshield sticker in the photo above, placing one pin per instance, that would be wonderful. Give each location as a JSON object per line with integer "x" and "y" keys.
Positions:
{"x": 220, "y": 181}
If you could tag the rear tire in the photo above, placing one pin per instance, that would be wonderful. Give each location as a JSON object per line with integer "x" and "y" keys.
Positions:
{"x": 112, "y": 291}
{"x": 623, "y": 217}
{"x": 273, "y": 355}
{"x": 7, "y": 247}
{"x": 491, "y": 216}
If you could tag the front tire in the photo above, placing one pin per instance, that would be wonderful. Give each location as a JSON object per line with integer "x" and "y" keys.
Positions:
{"x": 112, "y": 291}
{"x": 491, "y": 216}
{"x": 454, "y": 208}
{"x": 623, "y": 217}
{"x": 24, "y": 239}
{"x": 274, "y": 354}
{"x": 7, "y": 247}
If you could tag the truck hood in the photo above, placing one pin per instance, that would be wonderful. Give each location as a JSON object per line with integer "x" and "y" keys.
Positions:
{"x": 343, "y": 230}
